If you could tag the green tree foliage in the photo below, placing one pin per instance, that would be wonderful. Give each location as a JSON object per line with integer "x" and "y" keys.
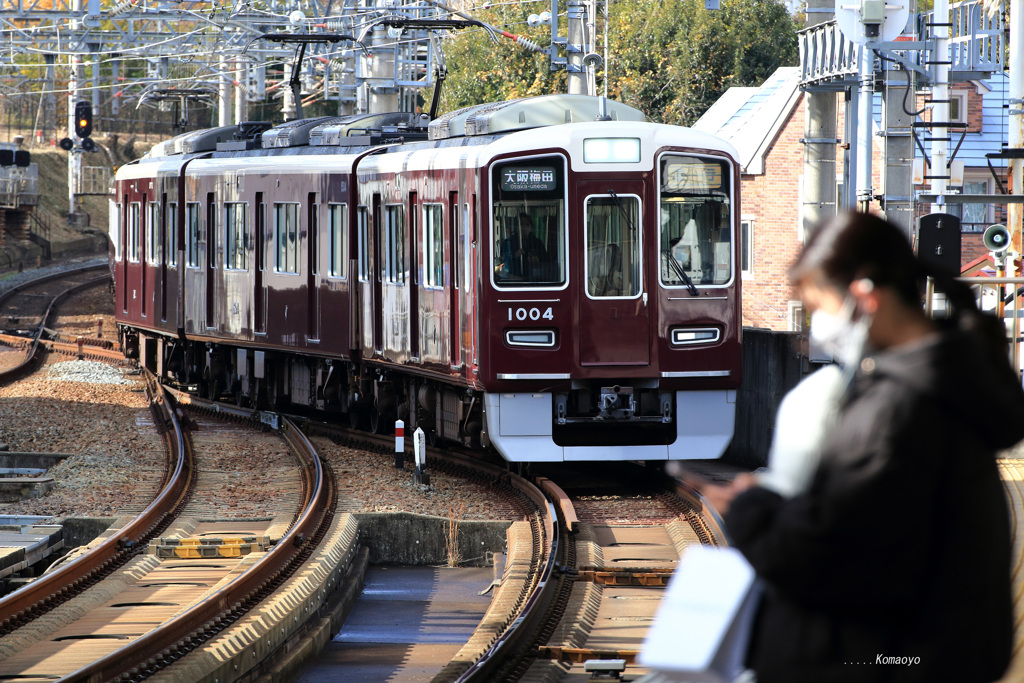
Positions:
{"x": 669, "y": 58}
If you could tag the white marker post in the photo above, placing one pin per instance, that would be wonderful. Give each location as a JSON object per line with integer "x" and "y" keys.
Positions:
{"x": 399, "y": 444}
{"x": 419, "y": 446}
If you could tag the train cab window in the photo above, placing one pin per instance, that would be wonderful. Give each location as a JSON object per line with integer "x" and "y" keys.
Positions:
{"x": 433, "y": 232}
{"x": 394, "y": 244}
{"x": 528, "y": 232}
{"x": 170, "y": 243}
{"x": 153, "y": 234}
{"x": 286, "y": 229}
{"x": 337, "y": 225}
{"x": 134, "y": 237}
{"x": 193, "y": 235}
{"x": 363, "y": 216}
{"x": 696, "y": 217}
{"x": 612, "y": 230}
{"x": 236, "y": 236}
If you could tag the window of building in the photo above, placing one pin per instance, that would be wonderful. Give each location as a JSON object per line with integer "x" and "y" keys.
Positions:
{"x": 193, "y": 234}
{"x": 975, "y": 217}
{"x": 394, "y": 244}
{"x": 171, "y": 244}
{"x": 363, "y": 217}
{"x": 134, "y": 237}
{"x": 747, "y": 246}
{"x": 286, "y": 228}
{"x": 433, "y": 231}
{"x": 958, "y": 107}
{"x": 337, "y": 226}
{"x": 236, "y": 236}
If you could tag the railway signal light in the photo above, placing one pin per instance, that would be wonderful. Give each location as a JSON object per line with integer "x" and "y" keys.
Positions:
{"x": 83, "y": 119}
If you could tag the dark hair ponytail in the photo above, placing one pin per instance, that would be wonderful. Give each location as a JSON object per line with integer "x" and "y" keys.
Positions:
{"x": 965, "y": 315}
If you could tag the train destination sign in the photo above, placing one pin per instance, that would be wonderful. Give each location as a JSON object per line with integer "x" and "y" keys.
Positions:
{"x": 528, "y": 179}
{"x": 691, "y": 175}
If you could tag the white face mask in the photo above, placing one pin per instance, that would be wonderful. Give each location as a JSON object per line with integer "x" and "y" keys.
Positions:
{"x": 838, "y": 335}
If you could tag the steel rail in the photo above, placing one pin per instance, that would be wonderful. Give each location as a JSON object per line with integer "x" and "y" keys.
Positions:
{"x": 178, "y": 635}
{"x": 708, "y": 515}
{"x": 52, "y": 589}
{"x": 518, "y": 634}
{"x": 35, "y": 341}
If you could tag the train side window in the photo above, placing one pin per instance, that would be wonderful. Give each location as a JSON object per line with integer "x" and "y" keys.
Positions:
{"x": 171, "y": 244}
{"x": 394, "y": 258}
{"x": 286, "y": 231}
{"x": 337, "y": 226}
{"x": 193, "y": 236}
{"x": 236, "y": 236}
{"x": 134, "y": 237}
{"x": 153, "y": 234}
{"x": 433, "y": 231}
{"x": 363, "y": 217}
{"x": 695, "y": 244}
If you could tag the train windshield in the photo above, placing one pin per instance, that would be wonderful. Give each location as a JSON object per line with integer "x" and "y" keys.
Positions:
{"x": 528, "y": 233}
{"x": 696, "y": 220}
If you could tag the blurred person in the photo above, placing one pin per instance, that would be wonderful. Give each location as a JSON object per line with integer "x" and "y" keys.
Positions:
{"x": 890, "y": 559}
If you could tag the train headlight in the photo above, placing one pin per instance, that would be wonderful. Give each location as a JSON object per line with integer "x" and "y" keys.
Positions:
{"x": 539, "y": 338}
{"x": 611, "y": 150}
{"x": 684, "y": 336}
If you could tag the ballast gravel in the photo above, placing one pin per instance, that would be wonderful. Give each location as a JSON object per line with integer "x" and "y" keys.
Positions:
{"x": 86, "y": 371}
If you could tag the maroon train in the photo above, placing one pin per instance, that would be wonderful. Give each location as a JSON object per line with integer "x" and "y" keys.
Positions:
{"x": 518, "y": 275}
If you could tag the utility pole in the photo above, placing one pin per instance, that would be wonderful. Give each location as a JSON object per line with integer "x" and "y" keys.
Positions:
{"x": 75, "y": 155}
{"x": 898, "y": 141}
{"x": 223, "y": 92}
{"x": 940, "y": 108}
{"x": 576, "y": 48}
{"x": 819, "y": 173}
{"x": 1015, "y": 211}
{"x": 865, "y": 102}
{"x": 241, "y": 104}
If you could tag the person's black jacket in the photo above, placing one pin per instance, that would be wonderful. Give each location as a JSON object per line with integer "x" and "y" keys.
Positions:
{"x": 895, "y": 565}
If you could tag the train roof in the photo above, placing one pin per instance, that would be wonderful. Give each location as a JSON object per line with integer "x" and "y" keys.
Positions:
{"x": 554, "y": 121}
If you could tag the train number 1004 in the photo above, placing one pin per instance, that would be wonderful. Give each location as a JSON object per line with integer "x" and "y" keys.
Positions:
{"x": 530, "y": 314}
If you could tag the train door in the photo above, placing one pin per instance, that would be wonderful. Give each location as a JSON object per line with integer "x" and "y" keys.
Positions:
{"x": 378, "y": 275}
{"x": 414, "y": 283}
{"x": 455, "y": 319}
{"x": 312, "y": 268}
{"x": 211, "y": 258}
{"x": 260, "y": 293}
{"x": 165, "y": 256}
{"x": 145, "y": 248}
{"x": 614, "y": 311}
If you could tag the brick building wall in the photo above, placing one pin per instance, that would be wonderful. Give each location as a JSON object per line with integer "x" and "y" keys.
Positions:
{"x": 772, "y": 202}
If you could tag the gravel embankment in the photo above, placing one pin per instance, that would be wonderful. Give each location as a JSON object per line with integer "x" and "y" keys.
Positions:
{"x": 369, "y": 482}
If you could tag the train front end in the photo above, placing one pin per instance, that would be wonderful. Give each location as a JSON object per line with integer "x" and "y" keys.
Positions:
{"x": 612, "y": 299}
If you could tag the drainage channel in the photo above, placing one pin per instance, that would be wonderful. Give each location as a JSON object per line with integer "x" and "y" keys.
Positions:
{"x": 406, "y": 626}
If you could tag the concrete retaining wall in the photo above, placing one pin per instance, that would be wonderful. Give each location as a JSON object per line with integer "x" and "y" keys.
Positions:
{"x": 409, "y": 539}
{"x": 772, "y": 365}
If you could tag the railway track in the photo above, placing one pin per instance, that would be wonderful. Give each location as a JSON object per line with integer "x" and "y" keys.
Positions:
{"x": 153, "y": 598}
{"x": 28, "y": 312}
{"x": 629, "y": 527}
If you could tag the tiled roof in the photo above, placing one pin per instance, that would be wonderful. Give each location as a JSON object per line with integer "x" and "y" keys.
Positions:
{"x": 750, "y": 118}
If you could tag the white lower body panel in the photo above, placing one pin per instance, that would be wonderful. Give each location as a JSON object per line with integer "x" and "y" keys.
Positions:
{"x": 519, "y": 426}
